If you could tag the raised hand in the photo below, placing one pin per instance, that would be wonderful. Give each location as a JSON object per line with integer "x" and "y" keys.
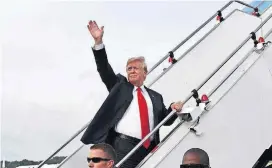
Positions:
{"x": 96, "y": 32}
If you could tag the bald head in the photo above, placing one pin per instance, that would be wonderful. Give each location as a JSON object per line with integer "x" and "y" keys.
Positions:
{"x": 196, "y": 156}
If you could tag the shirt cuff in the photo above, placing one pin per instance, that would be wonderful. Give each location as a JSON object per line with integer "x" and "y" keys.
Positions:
{"x": 99, "y": 46}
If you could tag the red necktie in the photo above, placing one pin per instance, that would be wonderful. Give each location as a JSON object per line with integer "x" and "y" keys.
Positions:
{"x": 143, "y": 116}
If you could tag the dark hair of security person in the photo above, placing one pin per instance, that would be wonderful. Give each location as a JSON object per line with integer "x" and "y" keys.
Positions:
{"x": 195, "y": 158}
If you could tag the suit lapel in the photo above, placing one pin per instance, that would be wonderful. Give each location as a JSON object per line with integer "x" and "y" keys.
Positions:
{"x": 154, "y": 104}
{"x": 125, "y": 100}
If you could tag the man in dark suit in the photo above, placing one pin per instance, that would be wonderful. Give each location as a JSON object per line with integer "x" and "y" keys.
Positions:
{"x": 130, "y": 111}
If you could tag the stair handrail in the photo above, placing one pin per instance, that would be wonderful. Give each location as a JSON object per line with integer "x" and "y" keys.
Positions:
{"x": 187, "y": 51}
{"x": 209, "y": 95}
{"x": 190, "y": 95}
{"x": 161, "y": 60}
{"x": 196, "y": 31}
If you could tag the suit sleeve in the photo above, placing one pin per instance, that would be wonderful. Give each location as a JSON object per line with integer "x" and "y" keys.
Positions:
{"x": 165, "y": 114}
{"x": 104, "y": 69}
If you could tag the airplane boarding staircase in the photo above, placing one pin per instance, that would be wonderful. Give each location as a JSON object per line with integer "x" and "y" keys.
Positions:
{"x": 237, "y": 79}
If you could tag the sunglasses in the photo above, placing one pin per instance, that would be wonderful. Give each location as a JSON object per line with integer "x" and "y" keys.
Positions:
{"x": 96, "y": 159}
{"x": 194, "y": 166}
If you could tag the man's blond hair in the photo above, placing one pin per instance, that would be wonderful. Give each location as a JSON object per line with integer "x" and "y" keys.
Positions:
{"x": 140, "y": 59}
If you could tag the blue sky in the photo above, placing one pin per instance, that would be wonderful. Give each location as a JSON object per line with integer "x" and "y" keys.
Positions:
{"x": 261, "y": 4}
{"x": 50, "y": 86}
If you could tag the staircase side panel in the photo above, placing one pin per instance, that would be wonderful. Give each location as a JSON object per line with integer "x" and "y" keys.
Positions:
{"x": 238, "y": 128}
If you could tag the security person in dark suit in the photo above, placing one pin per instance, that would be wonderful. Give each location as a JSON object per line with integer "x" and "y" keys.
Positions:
{"x": 130, "y": 111}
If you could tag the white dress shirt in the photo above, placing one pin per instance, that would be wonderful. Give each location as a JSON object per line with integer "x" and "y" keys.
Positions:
{"x": 98, "y": 47}
{"x": 130, "y": 123}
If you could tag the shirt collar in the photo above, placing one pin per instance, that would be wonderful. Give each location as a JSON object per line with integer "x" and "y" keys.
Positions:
{"x": 142, "y": 87}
